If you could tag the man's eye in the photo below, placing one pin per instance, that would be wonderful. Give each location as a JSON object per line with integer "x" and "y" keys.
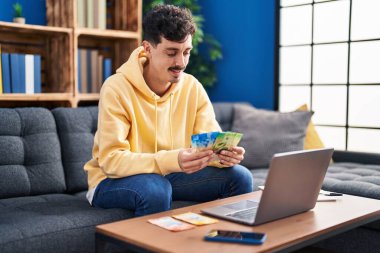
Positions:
{"x": 186, "y": 53}
{"x": 171, "y": 55}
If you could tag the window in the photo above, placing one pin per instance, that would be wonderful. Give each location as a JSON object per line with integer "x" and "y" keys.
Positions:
{"x": 329, "y": 58}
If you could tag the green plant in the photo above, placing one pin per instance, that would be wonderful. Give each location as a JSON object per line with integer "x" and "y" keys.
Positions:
{"x": 17, "y": 7}
{"x": 202, "y": 64}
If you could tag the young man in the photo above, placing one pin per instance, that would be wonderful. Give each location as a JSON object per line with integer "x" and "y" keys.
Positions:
{"x": 148, "y": 111}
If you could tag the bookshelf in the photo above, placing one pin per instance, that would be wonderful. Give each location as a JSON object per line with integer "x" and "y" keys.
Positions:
{"x": 62, "y": 43}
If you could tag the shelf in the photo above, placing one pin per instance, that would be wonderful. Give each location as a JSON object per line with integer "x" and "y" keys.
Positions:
{"x": 37, "y": 97}
{"x": 59, "y": 43}
{"x": 89, "y": 97}
{"x": 32, "y": 29}
{"x": 116, "y": 34}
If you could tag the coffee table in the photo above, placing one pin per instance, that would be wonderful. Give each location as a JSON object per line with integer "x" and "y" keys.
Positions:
{"x": 325, "y": 220}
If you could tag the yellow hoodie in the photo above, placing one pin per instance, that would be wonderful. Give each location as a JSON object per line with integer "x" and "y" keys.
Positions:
{"x": 140, "y": 132}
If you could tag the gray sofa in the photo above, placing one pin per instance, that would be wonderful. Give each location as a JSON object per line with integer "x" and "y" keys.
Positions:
{"x": 42, "y": 183}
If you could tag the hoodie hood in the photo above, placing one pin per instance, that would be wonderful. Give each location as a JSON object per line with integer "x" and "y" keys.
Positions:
{"x": 133, "y": 70}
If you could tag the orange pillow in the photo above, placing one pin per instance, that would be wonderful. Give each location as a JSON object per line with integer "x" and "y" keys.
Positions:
{"x": 312, "y": 139}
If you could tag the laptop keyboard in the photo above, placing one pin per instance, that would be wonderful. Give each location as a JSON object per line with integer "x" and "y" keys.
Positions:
{"x": 247, "y": 214}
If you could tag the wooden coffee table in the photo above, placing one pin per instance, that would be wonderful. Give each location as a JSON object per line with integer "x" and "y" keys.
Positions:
{"x": 288, "y": 234}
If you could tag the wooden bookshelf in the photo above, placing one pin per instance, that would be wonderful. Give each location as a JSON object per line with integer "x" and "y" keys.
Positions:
{"x": 59, "y": 42}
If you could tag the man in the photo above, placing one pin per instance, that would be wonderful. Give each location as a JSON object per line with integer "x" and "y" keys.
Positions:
{"x": 148, "y": 111}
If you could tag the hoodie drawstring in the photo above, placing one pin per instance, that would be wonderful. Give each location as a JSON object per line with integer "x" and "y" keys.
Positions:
{"x": 170, "y": 120}
{"x": 155, "y": 123}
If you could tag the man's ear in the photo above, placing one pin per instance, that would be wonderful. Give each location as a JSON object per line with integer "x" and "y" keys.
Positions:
{"x": 147, "y": 47}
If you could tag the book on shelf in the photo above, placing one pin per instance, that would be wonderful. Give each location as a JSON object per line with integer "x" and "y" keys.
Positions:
{"x": 29, "y": 74}
{"x": 1, "y": 74}
{"x": 83, "y": 69}
{"x": 102, "y": 14}
{"x": 82, "y": 13}
{"x": 21, "y": 73}
{"x": 15, "y": 74}
{"x": 92, "y": 13}
{"x": 107, "y": 68}
{"x": 37, "y": 73}
{"x": 6, "y": 73}
{"x": 93, "y": 69}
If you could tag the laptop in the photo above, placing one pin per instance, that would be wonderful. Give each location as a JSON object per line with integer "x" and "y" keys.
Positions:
{"x": 292, "y": 186}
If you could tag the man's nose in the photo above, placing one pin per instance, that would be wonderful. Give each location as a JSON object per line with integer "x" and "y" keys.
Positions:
{"x": 180, "y": 60}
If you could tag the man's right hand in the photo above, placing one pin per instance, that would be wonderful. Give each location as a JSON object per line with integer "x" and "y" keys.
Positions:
{"x": 191, "y": 161}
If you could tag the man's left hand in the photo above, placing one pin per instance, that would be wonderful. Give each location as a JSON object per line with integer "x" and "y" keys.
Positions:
{"x": 231, "y": 157}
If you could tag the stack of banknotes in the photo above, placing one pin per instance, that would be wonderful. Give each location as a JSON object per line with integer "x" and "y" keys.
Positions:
{"x": 217, "y": 141}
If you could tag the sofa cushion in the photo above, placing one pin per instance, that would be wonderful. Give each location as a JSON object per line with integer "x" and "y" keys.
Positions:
{"x": 76, "y": 129}
{"x": 52, "y": 223}
{"x": 224, "y": 114}
{"x": 30, "y": 154}
{"x": 312, "y": 139}
{"x": 355, "y": 179}
{"x": 267, "y": 132}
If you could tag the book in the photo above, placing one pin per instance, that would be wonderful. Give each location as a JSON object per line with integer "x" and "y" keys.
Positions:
{"x": 96, "y": 13}
{"x": 102, "y": 14}
{"x": 93, "y": 71}
{"x": 79, "y": 70}
{"x": 15, "y": 73}
{"x": 29, "y": 74}
{"x": 83, "y": 70}
{"x": 90, "y": 13}
{"x": 37, "y": 73}
{"x": 99, "y": 73}
{"x": 81, "y": 13}
{"x": 6, "y": 73}
{"x": 21, "y": 65}
{"x": 1, "y": 75}
{"x": 107, "y": 68}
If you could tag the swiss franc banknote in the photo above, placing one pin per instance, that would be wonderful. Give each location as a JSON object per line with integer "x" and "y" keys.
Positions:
{"x": 217, "y": 141}
{"x": 171, "y": 224}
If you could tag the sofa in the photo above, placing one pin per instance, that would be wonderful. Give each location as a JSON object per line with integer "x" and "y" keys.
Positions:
{"x": 43, "y": 207}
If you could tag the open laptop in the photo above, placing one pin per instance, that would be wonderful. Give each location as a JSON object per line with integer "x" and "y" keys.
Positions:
{"x": 292, "y": 186}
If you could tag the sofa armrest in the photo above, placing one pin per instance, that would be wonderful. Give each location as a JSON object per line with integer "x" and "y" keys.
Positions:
{"x": 356, "y": 157}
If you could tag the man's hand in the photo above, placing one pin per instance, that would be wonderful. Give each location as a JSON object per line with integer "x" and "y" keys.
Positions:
{"x": 191, "y": 161}
{"x": 232, "y": 157}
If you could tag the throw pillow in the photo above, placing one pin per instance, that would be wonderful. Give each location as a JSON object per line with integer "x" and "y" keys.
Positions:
{"x": 312, "y": 139}
{"x": 268, "y": 132}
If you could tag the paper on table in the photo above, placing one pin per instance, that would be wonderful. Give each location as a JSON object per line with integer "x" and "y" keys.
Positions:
{"x": 321, "y": 198}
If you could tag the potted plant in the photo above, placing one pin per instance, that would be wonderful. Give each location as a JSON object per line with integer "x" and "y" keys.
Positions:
{"x": 17, "y": 17}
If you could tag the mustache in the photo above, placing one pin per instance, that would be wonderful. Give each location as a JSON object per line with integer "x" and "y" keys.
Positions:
{"x": 177, "y": 68}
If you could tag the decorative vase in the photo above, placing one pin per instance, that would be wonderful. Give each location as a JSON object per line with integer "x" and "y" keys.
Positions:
{"x": 19, "y": 20}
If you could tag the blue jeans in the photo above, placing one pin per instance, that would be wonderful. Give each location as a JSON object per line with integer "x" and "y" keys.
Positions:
{"x": 151, "y": 193}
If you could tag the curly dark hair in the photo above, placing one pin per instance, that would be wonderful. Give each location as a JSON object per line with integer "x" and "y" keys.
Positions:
{"x": 171, "y": 22}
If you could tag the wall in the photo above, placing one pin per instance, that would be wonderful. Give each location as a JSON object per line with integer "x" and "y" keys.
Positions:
{"x": 34, "y": 11}
{"x": 246, "y": 30}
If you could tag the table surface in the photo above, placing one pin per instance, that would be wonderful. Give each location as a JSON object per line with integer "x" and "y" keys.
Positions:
{"x": 325, "y": 220}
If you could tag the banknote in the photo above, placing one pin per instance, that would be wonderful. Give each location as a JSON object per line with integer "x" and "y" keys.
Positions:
{"x": 217, "y": 141}
{"x": 204, "y": 140}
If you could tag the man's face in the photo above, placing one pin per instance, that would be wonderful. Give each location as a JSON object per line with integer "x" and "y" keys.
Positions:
{"x": 168, "y": 59}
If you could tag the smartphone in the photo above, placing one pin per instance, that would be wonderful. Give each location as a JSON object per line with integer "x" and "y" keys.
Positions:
{"x": 235, "y": 236}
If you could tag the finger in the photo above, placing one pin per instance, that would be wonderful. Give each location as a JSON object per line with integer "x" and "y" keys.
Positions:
{"x": 229, "y": 159}
{"x": 197, "y": 155}
{"x": 227, "y": 163}
{"x": 239, "y": 150}
{"x": 191, "y": 170}
{"x": 196, "y": 163}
